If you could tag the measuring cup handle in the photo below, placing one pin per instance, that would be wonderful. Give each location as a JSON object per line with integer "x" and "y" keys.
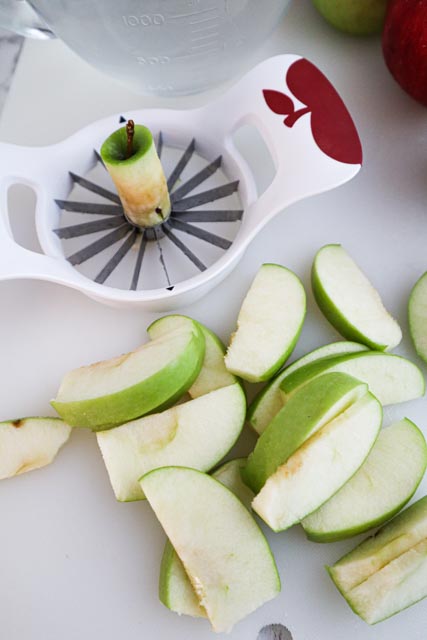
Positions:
{"x": 307, "y": 128}
{"x": 25, "y": 165}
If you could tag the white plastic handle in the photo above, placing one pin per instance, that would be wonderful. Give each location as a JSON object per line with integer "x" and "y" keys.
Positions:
{"x": 25, "y": 165}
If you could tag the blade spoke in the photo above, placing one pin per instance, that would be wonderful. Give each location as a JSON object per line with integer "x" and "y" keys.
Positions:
{"x": 202, "y": 234}
{"x": 197, "y": 179}
{"x": 99, "y": 245}
{"x": 117, "y": 258}
{"x": 185, "y": 250}
{"x": 206, "y": 196}
{"x": 95, "y": 188}
{"x": 76, "y": 230}
{"x": 182, "y": 163}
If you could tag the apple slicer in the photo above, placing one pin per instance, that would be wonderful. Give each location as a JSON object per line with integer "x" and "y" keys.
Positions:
{"x": 87, "y": 241}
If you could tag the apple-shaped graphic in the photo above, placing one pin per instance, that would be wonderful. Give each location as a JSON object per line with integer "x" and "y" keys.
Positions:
{"x": 405, "y": 45}
{"x": 331, "y": 124}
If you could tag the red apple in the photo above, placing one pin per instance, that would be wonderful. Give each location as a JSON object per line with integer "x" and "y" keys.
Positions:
{"x": 405, "y": 45}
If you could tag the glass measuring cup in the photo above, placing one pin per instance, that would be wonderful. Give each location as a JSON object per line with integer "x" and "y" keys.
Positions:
{"x": 161, "y": 47}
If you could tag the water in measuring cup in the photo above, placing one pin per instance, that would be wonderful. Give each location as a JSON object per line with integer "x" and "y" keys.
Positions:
{"x": 164, "y": 47}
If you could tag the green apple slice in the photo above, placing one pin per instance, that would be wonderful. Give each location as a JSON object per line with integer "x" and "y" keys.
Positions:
{"x": 321, "y": 466}
{"x": 175, "y": 589}
{"x": 269, "y": 324}
{"x": 138, "y": 175}
{"x": 417, "y": 312}
{"x": 224, "y": 552}
{"x": 350, "y": 302}
{"x": 30, "y": 443}
{"x": 154, "y": 376}
{"x": 391, "y": 378}
{"x": 387, "y": 572}
{"x": 307, "y": 411}
{"x": 213, "y": 374}
{"x": 385, "y": 482}
{"x": 197, "y": 434}
{"x": 269, "y": 400}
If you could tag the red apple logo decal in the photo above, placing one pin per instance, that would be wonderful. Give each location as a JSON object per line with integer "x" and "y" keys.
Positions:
{"x": 331, "y": 124}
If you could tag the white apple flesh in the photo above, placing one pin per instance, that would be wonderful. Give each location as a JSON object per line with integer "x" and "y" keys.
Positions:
{"x": 30, "y": 443}
{"x": 417, "y": 313}
{"x": 175, "y": 589}
{"x": 197, "y": 434}
{"x": 350, "y": 302}
{"x": 223, "y": 551}
{"x": 321, "y": 466}
{"x": 383, "y": 485}
{"x": 269, "y": 324}
{"x": 387, "y": 572}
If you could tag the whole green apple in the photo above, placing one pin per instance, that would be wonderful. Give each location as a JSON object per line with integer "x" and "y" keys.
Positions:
{"x": 358, "y": 17}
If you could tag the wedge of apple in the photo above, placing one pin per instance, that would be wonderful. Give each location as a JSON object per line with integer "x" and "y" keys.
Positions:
{"x": 175, "y": 589}
{"x": 350, "y": 302}
{"x": 385, "y": 482}
{"x": 269, "y": 324}
{"x": 30, "y": 443}
{"x": 391, "y": 378}
{"x": 307, "y": 411}
{"x": 153, "y": 377}
{"x": 417, "y": 313}
{"x": 197, "y": 434}
{"x": 321, "y": 466}
{"x": 269, "y": 400}
{"x": 387, "y": 572}
{"x": 213, "y": 374}
{"x": 222, "y": 549}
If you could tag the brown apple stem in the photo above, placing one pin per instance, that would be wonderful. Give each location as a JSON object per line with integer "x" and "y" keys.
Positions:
{"x": 130, "y": 131}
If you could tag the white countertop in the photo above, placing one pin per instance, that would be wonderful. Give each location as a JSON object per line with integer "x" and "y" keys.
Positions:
{"x": 75, "y": 564}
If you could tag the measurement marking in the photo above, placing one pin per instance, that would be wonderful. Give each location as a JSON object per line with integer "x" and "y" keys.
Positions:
{"x": 193, "y": 13}
{"x": 212, "y": 26}
{"x": 203, "y": 46}
{"x": 204, "y": 20}
{"x": 206, "y": 37}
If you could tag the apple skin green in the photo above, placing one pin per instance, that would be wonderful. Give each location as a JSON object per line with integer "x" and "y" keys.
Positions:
{"x": 361, "y": 316}
{"x": 417, "y": 316}
{"x": 269, "y": 324}
{"x": 391, "y": 378}
{"x": 223, "y": 550}
{"x": 310, "y": 408}
{"x": 154, "y": 393}
{"x": 213, "y": 374}
{"x": 268, "y": 402}
{"x": 356, "y": 17}
{"x": 30, "y": 443}
{"x": 139, "y": 179}
{"x": 321, "y": 466}
{"x": 175, "y": 589}
{"x": 384, "y": 484}
{"x": 384, "y": 564}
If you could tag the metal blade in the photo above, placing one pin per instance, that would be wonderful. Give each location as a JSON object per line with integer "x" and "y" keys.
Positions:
{"x": 117, "y": 258}
{"x": 95, "y": 188}
{"x": 76, "y": 230}
{"x": 202, "y": 234}
{"x": 226, "y": 215}
{"x": 206, "y": 196}
{"x": 90, "y": 207}
{"x": 161, "y": 257}
{"x": 98, "y": 158}
{"x": 197, "y": 179}
{"x": 274, "y": 632}
{"x": 185, "y": 250}
{"x": 160, "y": 144}
{"x": 182, "y": 163}
{"x": 138, "y": 264}
{"x": 99, "y": 245}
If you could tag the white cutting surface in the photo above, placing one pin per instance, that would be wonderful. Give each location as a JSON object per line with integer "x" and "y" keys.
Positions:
{"x": 76, "y": 564}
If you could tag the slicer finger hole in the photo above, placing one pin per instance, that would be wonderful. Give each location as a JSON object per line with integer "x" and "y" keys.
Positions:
{"x": 21, "y": 209}
{"x": 252, "y": 147}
